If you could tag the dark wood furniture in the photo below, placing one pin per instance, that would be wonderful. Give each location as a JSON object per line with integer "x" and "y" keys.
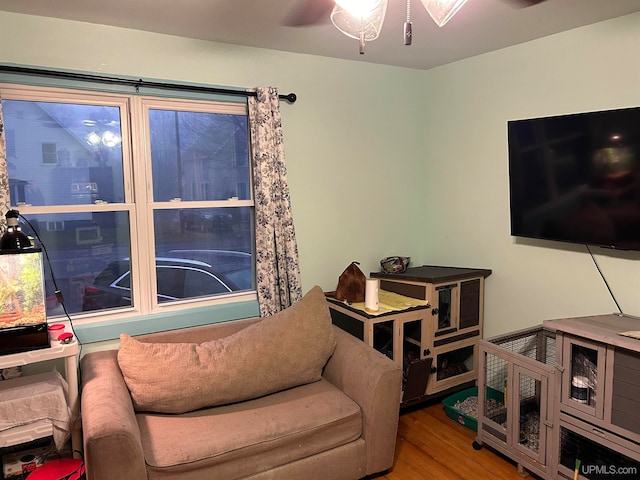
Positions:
{"x": 436, "y": 345}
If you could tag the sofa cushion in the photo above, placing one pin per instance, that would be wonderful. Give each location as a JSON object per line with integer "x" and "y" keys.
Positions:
{"x": 237, "y": 440}
{"x": 285, "y": 350}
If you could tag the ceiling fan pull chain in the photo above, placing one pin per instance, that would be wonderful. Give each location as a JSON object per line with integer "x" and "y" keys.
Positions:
{"x": 361, "y": 35}
{"x": 408, "y": 28}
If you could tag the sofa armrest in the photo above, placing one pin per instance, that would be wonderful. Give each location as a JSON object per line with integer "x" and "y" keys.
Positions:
{"x": 112, "y": 446}
{"x": 374, "y": 382}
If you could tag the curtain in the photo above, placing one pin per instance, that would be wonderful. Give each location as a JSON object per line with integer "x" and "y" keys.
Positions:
{"x": 4, "y": 176}
{"x": 277, "y": 264}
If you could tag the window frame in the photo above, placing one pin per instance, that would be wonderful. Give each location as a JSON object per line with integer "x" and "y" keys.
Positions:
{"x": 46, "y": 154}
{"x": 138, "y": 191}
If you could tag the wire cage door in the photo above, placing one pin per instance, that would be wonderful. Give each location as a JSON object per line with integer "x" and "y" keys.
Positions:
{"x": 530, "y": 413}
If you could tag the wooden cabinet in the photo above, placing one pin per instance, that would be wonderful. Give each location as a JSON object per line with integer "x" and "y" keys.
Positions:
{"x": 456, "y": 295}
{"x": 454, "y": 322}
{"x": 599, "y": 403}
{"x": 580, "y": 378}
{"x": 436, "y": 345}
{"x": 400, "y": 335}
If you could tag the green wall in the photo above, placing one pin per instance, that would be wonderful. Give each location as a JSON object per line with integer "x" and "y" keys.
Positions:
{"x": 352, "y": 157}
{"x": 393, "y": 161}
{"x": 591, "y": 68}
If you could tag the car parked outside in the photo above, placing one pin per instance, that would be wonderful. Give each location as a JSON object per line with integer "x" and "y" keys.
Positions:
{"x": 180, "y": 274}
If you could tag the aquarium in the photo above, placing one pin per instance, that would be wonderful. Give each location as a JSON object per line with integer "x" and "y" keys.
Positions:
{"x": 23, "y": 323}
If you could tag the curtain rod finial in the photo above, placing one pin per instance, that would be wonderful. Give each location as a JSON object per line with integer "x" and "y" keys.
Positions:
{"x": 291, "y": 98}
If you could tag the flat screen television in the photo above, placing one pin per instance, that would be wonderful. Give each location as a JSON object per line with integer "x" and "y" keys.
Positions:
{"x": 576, "y": 178}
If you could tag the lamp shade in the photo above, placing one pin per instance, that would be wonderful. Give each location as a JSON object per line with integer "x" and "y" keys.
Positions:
{"x": 442, "y": 10}
{"x": 13, "y": 238}
{"x": 365, "y": 23}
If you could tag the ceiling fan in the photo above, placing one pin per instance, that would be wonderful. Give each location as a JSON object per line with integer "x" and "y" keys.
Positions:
{"x": 363, "y": 19}
{"x": 311, "y": 12}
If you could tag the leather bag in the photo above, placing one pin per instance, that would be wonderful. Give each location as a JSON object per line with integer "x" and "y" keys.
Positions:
{"x": 351, "y": 284}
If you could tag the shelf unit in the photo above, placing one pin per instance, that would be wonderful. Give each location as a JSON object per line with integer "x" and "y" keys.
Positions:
{"x": 398, "y": 335}
{"x": 599, "y": 402}
{"x": 454, "y": 323}
{"x": 67, "y": 352}
{"x": 588, "y": 399}
{"x": 436, "y": 345}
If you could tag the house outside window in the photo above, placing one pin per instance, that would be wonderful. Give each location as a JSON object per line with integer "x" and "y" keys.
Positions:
{"x": 10, "y": 144}
{"x": 148, "y": 197}
{"x": 49, "y": 153}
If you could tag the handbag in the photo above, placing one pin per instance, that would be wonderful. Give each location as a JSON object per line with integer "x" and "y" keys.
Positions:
{"x": 351, "y": 284}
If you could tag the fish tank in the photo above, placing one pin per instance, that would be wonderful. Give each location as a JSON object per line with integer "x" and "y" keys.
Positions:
{"x": 23, "y": 322}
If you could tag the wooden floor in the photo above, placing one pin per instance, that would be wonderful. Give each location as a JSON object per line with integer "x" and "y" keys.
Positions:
{"x": 431, "y": 446}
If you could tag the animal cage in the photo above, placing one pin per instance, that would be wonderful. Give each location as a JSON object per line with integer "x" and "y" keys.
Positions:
{"x": 516, "y": 384}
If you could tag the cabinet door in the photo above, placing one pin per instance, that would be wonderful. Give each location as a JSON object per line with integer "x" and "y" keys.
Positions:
{"x": 583, "y": 377}
{"x": 457, "y": 306}
{"x": 493, "y": 394}
{"x": 470, "y": 303}
{"x": 530, "y": 413}
{"x": 622, "y": 394}
{"x": 416, "y": 364}
{"x": 602, "y": 454}
{"x": 453, "y": 365}
{"x": 414, "y": 340}
{"x": 446, "y": 308}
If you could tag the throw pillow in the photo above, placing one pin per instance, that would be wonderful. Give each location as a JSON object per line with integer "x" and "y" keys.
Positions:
{"x": 285, "y": 350}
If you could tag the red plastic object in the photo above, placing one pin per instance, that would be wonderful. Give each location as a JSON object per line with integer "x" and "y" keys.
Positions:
{"x": 65, "y": 337}
{"x": 55, "y": 330}
{"x": 63, "y": 469}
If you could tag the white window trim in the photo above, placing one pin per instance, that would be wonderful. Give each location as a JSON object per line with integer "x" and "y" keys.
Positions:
{"x": 138, "y": 191}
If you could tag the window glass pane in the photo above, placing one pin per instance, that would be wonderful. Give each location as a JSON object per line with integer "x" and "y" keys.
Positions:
{"x": 88, "y": 252}
{"x": 170, "y": 281}
{"x": 198, "y": 155}
{"x": 111, "y": 288}
{"x": 198, "y": 283}
{"x": 63, "y": 154}
{"x": 68, "y": 151}
{"x": 209, "y": 251}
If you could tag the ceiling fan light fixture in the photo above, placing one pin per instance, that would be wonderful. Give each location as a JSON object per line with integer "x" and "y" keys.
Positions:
{"x": 359, "y": 8}
{"x": 358, "y": 27}
{"x": 442, "y": 10}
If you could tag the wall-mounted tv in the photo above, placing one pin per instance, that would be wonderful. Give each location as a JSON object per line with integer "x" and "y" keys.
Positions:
{"x": 576, "y": 178}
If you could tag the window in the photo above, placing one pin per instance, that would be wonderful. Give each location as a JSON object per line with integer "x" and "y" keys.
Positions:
{"x": 49, "y": 153}
{"x": 142, "y": 203}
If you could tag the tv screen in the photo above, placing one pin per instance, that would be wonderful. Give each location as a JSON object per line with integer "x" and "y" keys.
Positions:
{"x": 576, "y": 178}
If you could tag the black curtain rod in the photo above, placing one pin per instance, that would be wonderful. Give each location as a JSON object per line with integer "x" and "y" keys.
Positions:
{"x": 291, "y": 97}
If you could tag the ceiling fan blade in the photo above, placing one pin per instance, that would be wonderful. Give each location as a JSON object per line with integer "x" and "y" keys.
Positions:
{"x": 524, "y": 3}
{"x": 308, "y": 12}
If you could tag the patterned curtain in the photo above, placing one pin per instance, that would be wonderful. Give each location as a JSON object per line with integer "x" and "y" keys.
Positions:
{"x": 4, "y": 176}
{"x": 277, "y": 264}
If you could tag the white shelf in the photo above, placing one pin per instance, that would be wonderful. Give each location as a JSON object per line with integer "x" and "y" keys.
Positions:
{"x": 26, "y": 433}
{"x": 69, "y": 352}
{"x": 42, "y": 355}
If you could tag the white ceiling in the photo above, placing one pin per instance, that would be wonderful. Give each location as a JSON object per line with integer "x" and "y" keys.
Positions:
{"x": 479, "y": 27}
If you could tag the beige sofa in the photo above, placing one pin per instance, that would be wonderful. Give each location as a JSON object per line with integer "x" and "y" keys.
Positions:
{"x": 341, "y": 426}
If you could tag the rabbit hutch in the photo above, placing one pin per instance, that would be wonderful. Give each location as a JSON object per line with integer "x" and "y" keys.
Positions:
{"x": 516, "y": 391}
